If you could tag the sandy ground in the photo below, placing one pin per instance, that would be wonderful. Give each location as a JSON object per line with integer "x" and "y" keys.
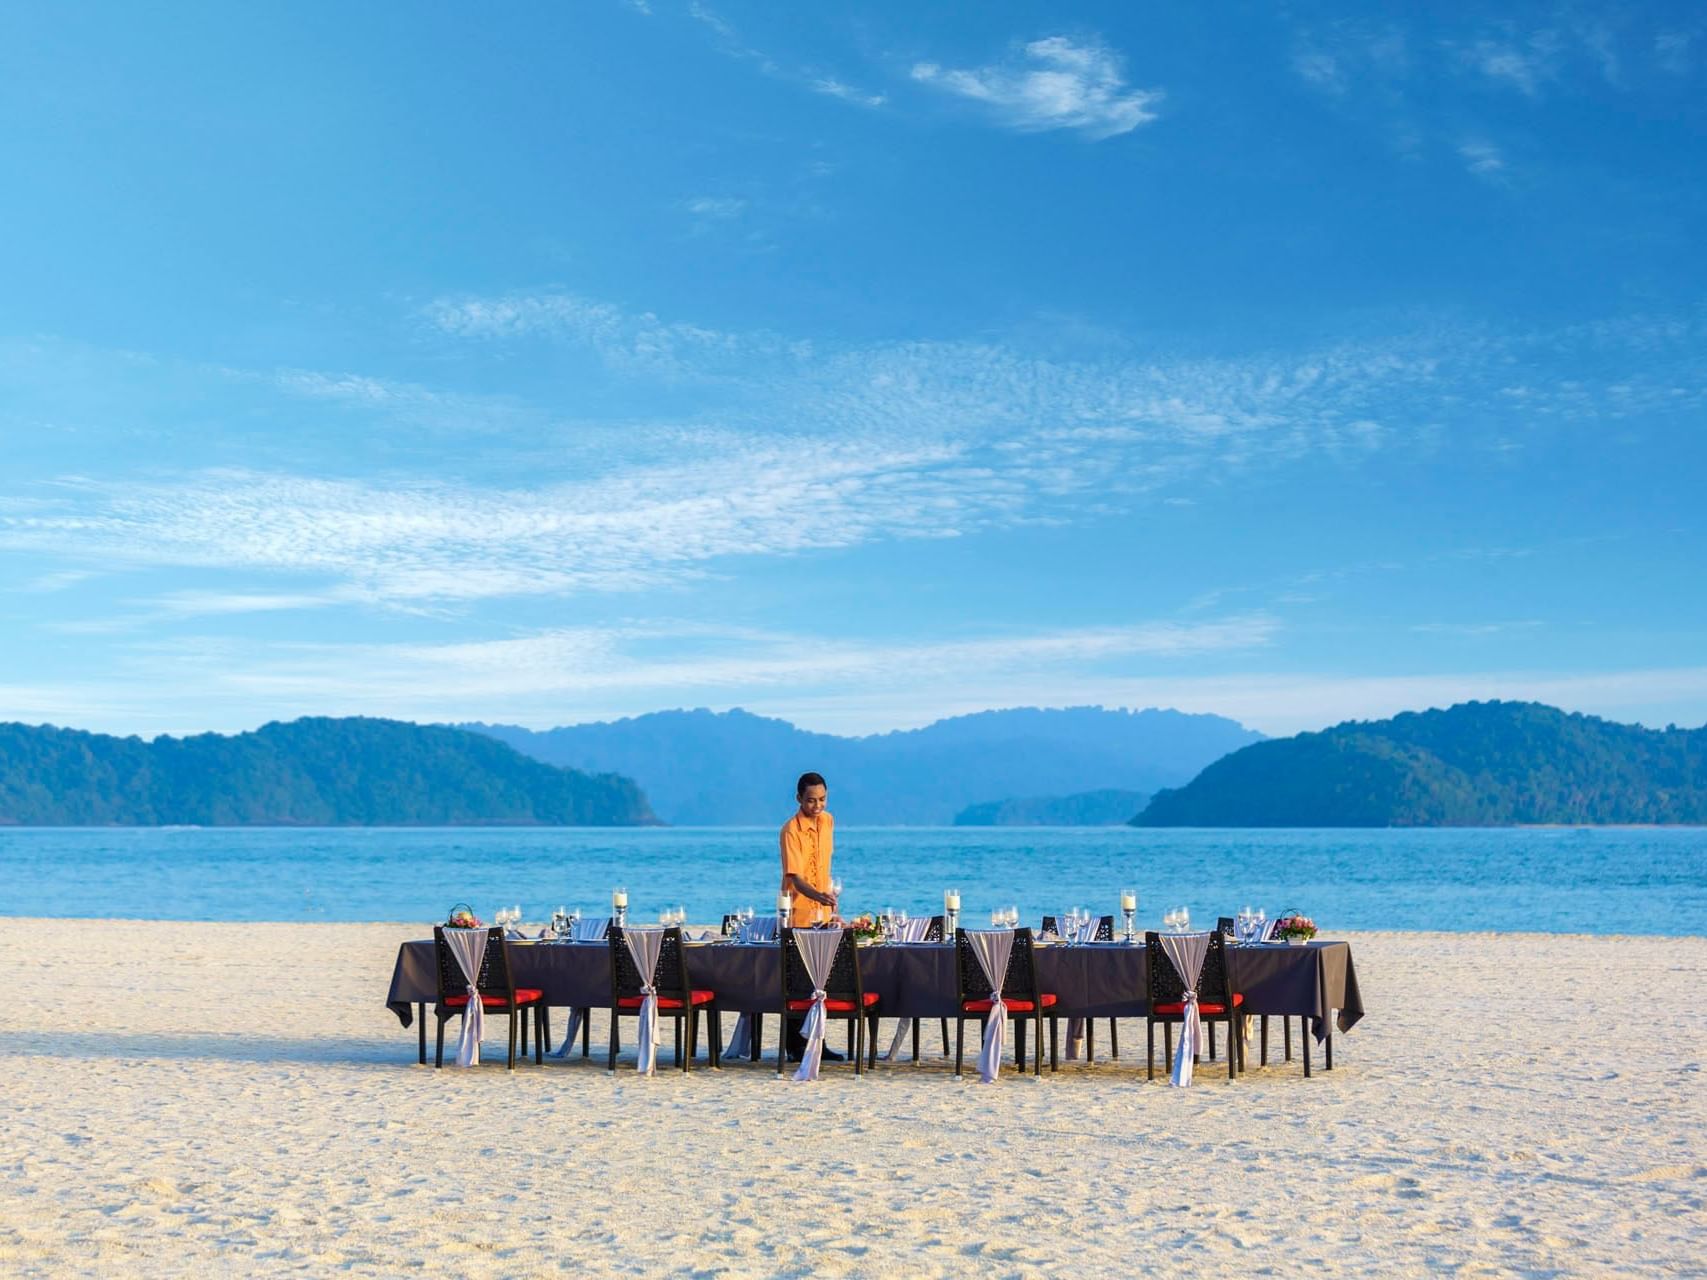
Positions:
{"x": 235, "y": 1100}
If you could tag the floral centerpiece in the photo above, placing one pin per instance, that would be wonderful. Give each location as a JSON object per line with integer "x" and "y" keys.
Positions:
{"x": 1295, "y": 926}
{"x": 462, "y": 917}
{"x": 866, "y": 929}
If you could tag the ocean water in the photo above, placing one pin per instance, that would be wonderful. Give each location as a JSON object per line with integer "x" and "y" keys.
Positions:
{"x": 1554, "y": 880}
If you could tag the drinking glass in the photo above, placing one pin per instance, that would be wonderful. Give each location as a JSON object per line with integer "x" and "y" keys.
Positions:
{"x": 901, "y": 924}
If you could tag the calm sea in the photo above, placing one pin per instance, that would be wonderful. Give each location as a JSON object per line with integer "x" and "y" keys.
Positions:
{"x": 1588, "y": 881}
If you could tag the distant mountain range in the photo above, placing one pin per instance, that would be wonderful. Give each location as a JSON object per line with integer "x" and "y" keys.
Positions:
{"x": 704, "y": 768}
{"x": 1109, "y": 808}
{"x": 310, "y": 772}
{"x": 1476, "y": 764}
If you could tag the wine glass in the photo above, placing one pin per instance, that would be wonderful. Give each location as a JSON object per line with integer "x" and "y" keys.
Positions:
{"x": 836, "y": 889}
{"x": 1010, "y": 917}
{"x": 901, "y": 924}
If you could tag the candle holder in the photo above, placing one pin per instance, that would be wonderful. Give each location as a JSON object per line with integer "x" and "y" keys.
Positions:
{"x": 950, "y": 923}
{"x": 1131, "y": 931}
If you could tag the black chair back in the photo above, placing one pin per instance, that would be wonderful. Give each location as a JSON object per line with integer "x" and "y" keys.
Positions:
{"x": 626, "y": 979}
{"x": 494, "y": 979}
{"x": 933, "y": 931}
{"x": 1020, "y": 982}
{"x": 731, "y": 924}
{"x": 1225, "y": 927}
{"x": 844, "y": 982}
{"x": 1166, "y": 986}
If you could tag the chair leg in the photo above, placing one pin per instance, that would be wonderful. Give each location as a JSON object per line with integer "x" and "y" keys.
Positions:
{"x": 1328, "y": 1048}
{"x": 586, "y": 1032}
{"x": 1150, "y": 1037}
{"x": 510, "y": 1064}
{"x": 1037, "y": 1041}
{"x": 677, "y": 1030}
{"x": 421, "y": 1033}
{"x": 1212, "y": 1042}
{"x": 1090, "y": 1041}
{"x": 439, "y": 1053}
{"x": 852, "y": 1036}
{"x": 959, "y": 1046}
{"x": 1168, "y": 1045}
{"x": 871, "y": 1044}
{"x": 1286, "y": 1027}
{"x": 542, "y": 1034}
{"x": 945, "y": 1037}
{"x": 856, "y": 1033}
{"x": 758, "y": 1035}
{"x": 1232, "y": 1049}
{"x": 1304, "y": 1044}
{"x": 1019, "y": 1045}
{"x": 1263, "y": 1059}
{"x": 1054, "y": 1045}
{"x": 916, "y": 1042}
{"x": 1114, "y": 1039}
{"x": 693, "y": 1041}
{"x": 615, "y": 1037}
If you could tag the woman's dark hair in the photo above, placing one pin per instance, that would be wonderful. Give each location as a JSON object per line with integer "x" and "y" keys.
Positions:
{"x": 809, "y": 780}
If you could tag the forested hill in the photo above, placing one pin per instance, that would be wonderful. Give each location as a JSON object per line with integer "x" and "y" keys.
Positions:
{"x": 310, "y": 772}
{"x": 1476, "y": 764}
{"x": 733, "y": 768}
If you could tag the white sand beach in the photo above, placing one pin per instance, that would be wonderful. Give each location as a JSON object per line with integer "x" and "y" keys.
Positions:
{"x": 236, "y": 1100}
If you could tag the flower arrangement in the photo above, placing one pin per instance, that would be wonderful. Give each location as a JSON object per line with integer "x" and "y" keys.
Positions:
{"x": 1295, "y": 926}
{"x": 462, "y": 917}
{"x": 866, "y": 929}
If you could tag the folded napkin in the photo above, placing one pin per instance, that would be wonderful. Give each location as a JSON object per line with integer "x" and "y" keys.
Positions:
{"x": 591, "y": 930}
{"x": 758, "y": 929}
{"x": 914, "y": 930}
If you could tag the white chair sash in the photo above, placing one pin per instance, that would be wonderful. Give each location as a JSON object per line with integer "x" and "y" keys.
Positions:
{"x": 817, "y": 949}
{"x": 740, "y": 1039}
{"x": 562, "y": 1051}
{"x": 469, "y": 948}
{"x": 993, "y": 947}
{"x": 1185, "y": 951}
{"x": 645, "y": 945}
{"x": 593, "y": 930}
{"x": 914, "y": 930}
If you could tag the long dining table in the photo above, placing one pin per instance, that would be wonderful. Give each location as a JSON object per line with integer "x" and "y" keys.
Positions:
{"x": 1316, "y": 981}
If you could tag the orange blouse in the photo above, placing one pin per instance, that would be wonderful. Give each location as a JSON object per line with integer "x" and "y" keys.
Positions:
{"x": 806, "y": 849}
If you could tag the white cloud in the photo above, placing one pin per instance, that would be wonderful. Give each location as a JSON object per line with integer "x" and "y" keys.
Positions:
{"x": 1523, "y": 66}
{"x": 1674, "y": 51}
{"x": 1320, "y": 68}
{"x": 1483, "y": 159}
{"x": 716, "y": 206}
{"x": 831, "y": 87}
{"x": 1057, "y": 83}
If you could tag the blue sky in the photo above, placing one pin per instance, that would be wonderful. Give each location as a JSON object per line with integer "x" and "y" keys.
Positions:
{"x": 854, "y": 364}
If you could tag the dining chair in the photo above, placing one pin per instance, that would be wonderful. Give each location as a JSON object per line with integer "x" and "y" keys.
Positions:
{"x": 845, "y": 999}
{"x": 678, "y": 999}
{"x": 497, "y": 991}
{"x": 1019, "y": 993}
{"x": 1216, "y": 1000}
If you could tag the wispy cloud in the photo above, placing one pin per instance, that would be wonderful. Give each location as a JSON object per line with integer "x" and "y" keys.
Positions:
{"x": 1482, "y": 158}
{"x": 1053, "y": 83}
{"x": 730, "y": 42}
{"x": 834, "y": 88}
{"x": 717, "y": 206}
{"x": 1674, "y": 51}
{"x": 1524, "y": 64}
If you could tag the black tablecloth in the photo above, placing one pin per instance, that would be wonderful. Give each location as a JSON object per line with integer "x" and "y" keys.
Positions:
{"x": 1101, "y": 980}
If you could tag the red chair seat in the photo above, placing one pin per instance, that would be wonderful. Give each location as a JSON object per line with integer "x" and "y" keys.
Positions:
{"x": 667, "y": 1002}
{"x": 1203, "y": 1006}
{"x": 524, "y": 995}
{"x": 832, "y": 1006}
{"x": 1014, "y": 1006}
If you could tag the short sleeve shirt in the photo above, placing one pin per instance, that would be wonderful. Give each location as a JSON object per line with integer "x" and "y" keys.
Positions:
{"x": 806, "y": 848}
